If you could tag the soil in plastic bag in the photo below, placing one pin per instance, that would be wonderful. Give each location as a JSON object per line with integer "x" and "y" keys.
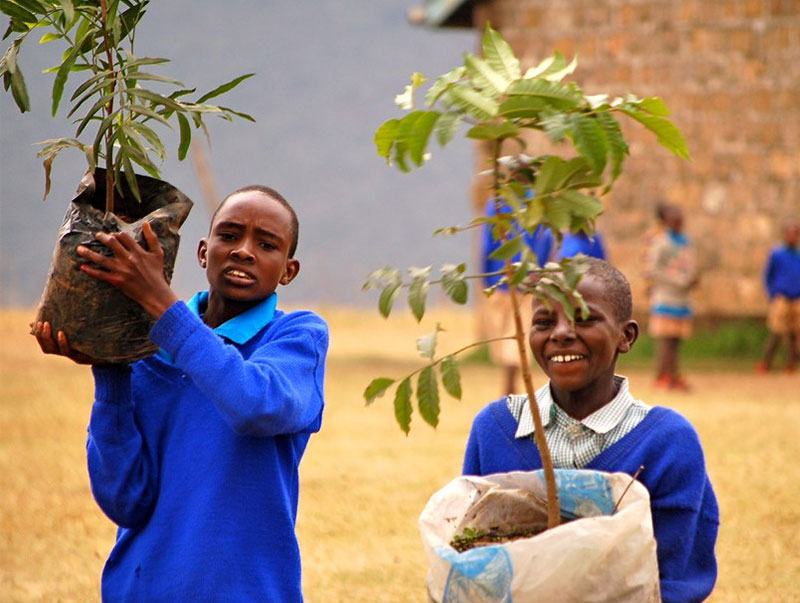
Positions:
{"x": 98, "y": 320}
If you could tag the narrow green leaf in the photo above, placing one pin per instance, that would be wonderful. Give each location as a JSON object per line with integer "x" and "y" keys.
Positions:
{"x": 151, "y": 137}
{"x": 428, "y": 396}
{"x": 560, "y": 96}
{"x": 590, "y": 141}
{"x": 385, "y": 137}
{"x": 69, "y": 11}
{"x": 16, "y": 12}
{"x": 402, "y": 405}
{"x": 154, "y": 98}
{"x": 49, "y": 37}
{"x": 61, "y": 79}
{"x": 443, "y": 83}
{"x": 92, "y": 113}
{"x": 451, "y": 377}
{"x": 92, "y": 82}
{"x": 19, "y": 90}
{"x": 654, "y": 105}
{"x": 484, "y": 76}
{"x": 147, "y": 112}
{"x": 508, "y": 249}
{"x": 377, "y": 388}
{"x": 130, "y": 177}
{"x": 453, "y": 283}
{"x": 521, "y": 107}
{"x": 245, "y": 116}
{"x": 667, "y": 133}
{"x": 499, "y": 54}
{"x": 224, "y": 87}
{"x": 418, "y": 291}
{"x": 186, "y": 136}
{"x": 617, "y": 146}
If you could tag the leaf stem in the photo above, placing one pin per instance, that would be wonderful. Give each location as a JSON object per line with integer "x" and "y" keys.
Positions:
{"x": 109, "y": 111}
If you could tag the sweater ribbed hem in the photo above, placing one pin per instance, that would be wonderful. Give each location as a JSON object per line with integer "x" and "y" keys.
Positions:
{"x": 112, "y": 383}
{"x": 170, "y": 331}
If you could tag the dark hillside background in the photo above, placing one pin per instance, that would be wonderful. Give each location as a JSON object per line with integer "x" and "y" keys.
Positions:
{"x": 327, "y": 72}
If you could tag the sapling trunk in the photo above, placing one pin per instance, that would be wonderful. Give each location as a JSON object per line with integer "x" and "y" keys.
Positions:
{"x": 109, "y": 111}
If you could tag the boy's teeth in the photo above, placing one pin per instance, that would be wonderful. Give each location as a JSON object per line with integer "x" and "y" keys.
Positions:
{"x": 566, "y": 358}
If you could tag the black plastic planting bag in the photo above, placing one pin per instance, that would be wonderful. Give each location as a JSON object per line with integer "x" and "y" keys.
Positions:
{"x": 98, "y": 320}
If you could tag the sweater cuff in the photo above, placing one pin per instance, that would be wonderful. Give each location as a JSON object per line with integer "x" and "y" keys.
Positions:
{"x": 174, "y": 327}
{"x": 112, "y": 383}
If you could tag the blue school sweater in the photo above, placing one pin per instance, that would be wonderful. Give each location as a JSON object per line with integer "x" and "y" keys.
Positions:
{"x": 782, "y": 274}
{"x": 196, "y": 460}
{"x": 684, "y": 508}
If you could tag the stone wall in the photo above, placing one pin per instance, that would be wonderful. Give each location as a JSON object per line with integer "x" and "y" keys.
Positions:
{"x": 730, "y": 72}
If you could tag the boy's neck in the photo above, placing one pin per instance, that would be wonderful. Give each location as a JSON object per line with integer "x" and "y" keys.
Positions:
{"x": 579, "y": 404}
{"x": 219, "y": 310}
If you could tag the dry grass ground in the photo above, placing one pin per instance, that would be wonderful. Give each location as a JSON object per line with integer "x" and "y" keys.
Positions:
{"x": 364, "y": 482}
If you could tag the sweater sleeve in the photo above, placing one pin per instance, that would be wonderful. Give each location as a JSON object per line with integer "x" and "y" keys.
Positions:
{"x": 769, "y": 276}
{"x": 472, "y": 456}
{"x": 276, "y": 390}
{"x": 123, "y": 479}
{"x": 685, "y": 521}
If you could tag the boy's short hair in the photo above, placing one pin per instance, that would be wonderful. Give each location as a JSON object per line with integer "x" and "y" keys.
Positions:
{"x": 617, "y": 287}
{"x": 275, "y": 196}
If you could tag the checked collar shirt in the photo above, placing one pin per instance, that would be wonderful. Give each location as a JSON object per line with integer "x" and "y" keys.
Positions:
{"x": 573, "y": 444}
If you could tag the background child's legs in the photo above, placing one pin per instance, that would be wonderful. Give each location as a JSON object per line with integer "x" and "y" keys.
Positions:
{"x": 773, "y": 342}
{"x": 667, "y": 358}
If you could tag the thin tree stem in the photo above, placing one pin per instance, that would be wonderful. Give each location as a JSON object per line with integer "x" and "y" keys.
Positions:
{"x": 109, "y": 111}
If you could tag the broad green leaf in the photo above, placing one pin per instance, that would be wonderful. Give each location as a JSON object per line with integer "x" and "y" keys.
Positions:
{"x": 557, "y": 214}
{"x": 387, "y": 298}
{"x": 508, "y": 249}
{"x": 590, "y": 141}
{"x": 499, "y": 55}
{"x": 560, "y": 74}
{"x": 418, "y": 291}
{"x": 499, "y": 131}
{"x": 555, "y": 125}
{"x": 453, "y": 283}
{"x": 521, "y": 107}
{"x": 446, "y": 127}
{"x": 473, "y": 102}
{"x": 33, "y": 6}
{"x": 560, "y": 96}
{"x": 549, "y": 66}
{"x": 667, "y": 133}
{"x": 426, "y": 344}
{"x": 484, "y": 76}
{"x": 402, "y": 405}
{"x": 442, "y": 83}
{"x": 583, "y": 206}
{"x": 552, "y": 292}
{"x": 186, "y": 136}
{"x": 414, "y": 132}
{"x": 16, "y": 12}
{"x": 377, "y": 388}
{"x": 451, "y": 377}
{"x": 617, "y": 146}
{"x": 654, "y": 105}
{"x": 428, "y": 396}
{"x": 385, "y": 137}
{"x": 69, "y": 11}
{"x": 224, "y": 87}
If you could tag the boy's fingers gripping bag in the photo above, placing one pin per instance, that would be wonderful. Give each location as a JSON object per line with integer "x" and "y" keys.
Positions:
{"x": 600, "y": 556}
{"x": 99, "y": 320}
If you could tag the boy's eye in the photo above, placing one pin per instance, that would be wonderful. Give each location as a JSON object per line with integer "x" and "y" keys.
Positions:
{"x": 226, "y": 236}
{"x": 542, "y": 323}
{"x": 267, "y": 246}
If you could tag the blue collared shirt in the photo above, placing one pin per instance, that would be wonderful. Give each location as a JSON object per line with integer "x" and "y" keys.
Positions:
{"x": 239, "y": 329}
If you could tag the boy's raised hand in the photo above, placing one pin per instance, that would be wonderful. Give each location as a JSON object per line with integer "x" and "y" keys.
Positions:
{"x": 56, "y": 345}
{"x": 134, "y": 270}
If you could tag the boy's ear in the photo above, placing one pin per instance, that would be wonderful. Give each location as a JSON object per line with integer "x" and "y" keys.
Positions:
{"x": 202, "y": 249}
{"x": 291, "y": 271}
{"x": 630, "y": 333}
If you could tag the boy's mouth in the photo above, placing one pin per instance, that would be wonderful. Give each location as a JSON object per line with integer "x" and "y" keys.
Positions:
{"x": 239, "y": 276}
{"x": 566, "y": 358}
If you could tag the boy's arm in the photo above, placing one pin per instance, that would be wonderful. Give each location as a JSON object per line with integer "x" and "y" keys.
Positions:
{"x": 277, "y": 390}
{"x": 121, "y": 474}
{"x": 769, "y": 276}
{"x": 472, "y": 457}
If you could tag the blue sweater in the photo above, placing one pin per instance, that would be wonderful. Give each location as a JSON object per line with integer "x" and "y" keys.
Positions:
{"x": 196, "y": 460}
{"x": 684, "y": 508}
{"x": 782, "y": 274}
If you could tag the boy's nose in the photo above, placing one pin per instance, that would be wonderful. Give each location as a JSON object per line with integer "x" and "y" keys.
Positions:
{"x": 243, "y": 251}
{"x": 563, "y": 329}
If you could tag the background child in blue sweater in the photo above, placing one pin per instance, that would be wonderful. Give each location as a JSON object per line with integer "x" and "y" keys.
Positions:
{"x": 194, "y": 451}
{"x": 592, "y": 421}
{"x": 782, "y": 280}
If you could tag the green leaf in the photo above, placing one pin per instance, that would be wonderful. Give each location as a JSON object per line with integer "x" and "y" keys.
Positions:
{"x": 377, "y": 388}
{"x": 385, "y": 137}
{"x": 453, "y": 283}
{"x": 69, "y": 11}
{"x": 428, "y": 396}
{"x": 484, "y": 77}
{"x": 130, "y": 177}
{"x": 446, "y": 127}
{"x": 583, "y": 206}
{"x": 521, "y": 107}
{"x": 151, "y": 137}
{"x": 93, "y": 83}
{"x": 617, "y": 146}
{"x": 245, "y": 116}
{"x": 147, "y": 112}
{"x": 499, "y": 54}
{"x": 19, "y": 90}
{"x": 154, "y": 98}
{"x": 551, "y": 65}
{"x": 426, "y": 344}
{"x": 508, "y": 249}
{"x": 451, "y": 377}
{"x": 654, "y": 105}
{"x": 555, "y": 94}
{"x": 92, "y": 113}
{"x": 387, "y": 298}
{"x": 590, "y": 140}
{"x": 61, "y": 79}
{"x": 186, "y": 136}
{"x": 16, "y": 12}
{"x": 414, "y": 132}
{"x": 557, "y": 214}
{"x": 499, "y": 131}
{"x": 49, "y": 37}
{"x": 418, "y": 291}
{"x": 549, "y": 291}
{"x": 224, "y": 87}
{"x": 442, "y": 84}
{"x": 667, "y": 133}
{"x": 402, "y": 405}
{"x": 473, "y": 102}
{"x": 555, "y": 173}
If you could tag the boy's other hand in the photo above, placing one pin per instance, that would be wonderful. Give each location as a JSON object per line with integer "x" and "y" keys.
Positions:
{"x": 134, "y": 270}
{"x": 56, "y": 345}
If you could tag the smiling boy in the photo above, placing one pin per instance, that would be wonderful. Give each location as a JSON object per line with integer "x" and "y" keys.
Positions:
{"x": 194, "y": 451}
{"x": 592, "y": 421}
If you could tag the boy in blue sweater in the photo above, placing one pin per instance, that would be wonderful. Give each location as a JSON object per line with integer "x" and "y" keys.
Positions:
{"x": 782, "y": 280}
{"x": 592, "y": 421}
{"x": 194, "y": 451}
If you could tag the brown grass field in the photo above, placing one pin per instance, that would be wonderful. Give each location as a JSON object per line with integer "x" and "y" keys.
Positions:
{"x": 363, "y": 483}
